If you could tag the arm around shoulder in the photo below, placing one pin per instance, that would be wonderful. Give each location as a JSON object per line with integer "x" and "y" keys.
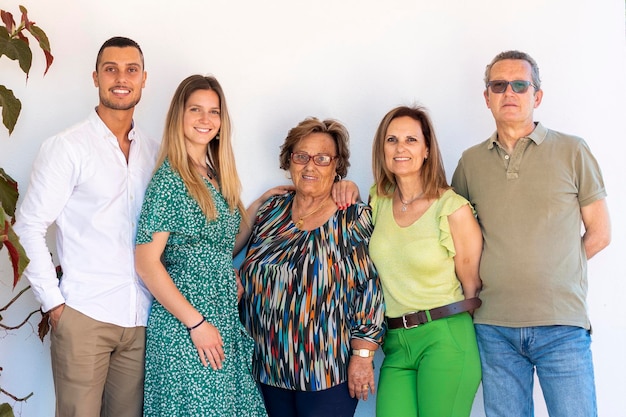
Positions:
{"x": 245, "y": 228}
{"x": 345, "y": 193}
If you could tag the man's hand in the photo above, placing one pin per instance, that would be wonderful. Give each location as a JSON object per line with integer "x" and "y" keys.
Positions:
{"x": 54, "y": 315}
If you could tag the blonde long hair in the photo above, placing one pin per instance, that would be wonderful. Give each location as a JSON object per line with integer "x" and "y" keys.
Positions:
{"x": 219, "y": 153}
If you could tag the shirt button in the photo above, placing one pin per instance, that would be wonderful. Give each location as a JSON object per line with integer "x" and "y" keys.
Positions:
{"x": 506, "y": 157}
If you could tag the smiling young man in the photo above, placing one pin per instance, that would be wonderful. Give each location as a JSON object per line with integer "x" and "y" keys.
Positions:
{"x": 90, "y": 181}
{"x": 532, "y": 189}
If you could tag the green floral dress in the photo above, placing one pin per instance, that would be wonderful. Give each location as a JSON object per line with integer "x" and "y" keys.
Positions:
{"x": 198, "y": 257}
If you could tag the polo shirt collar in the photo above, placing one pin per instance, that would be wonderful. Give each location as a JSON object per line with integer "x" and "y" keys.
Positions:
{"x": 537, "y": 135}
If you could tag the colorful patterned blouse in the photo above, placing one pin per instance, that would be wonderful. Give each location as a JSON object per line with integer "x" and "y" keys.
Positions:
{"x": 307, "y": 293}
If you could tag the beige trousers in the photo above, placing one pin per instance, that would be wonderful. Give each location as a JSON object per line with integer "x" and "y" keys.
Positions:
{"x": 97, "y": 367}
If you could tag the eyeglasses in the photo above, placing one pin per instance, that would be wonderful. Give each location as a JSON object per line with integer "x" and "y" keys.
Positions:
{"x": 303, "y": 158}
{"x": 518, "y": 86}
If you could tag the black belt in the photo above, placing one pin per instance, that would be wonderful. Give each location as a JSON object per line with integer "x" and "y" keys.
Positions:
{"x": 416, "y": 318}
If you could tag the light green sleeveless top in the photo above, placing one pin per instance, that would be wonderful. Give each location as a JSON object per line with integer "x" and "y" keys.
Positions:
{"x": 415, "y": 263}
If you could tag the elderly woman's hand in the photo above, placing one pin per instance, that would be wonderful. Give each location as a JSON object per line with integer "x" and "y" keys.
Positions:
{"x": 239, "y": 285}
{"x": 361, "y": 377}
{"x": 345, "y": 193}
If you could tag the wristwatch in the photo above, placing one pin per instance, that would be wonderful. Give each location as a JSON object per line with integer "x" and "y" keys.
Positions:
{"x": 364, "y": 353}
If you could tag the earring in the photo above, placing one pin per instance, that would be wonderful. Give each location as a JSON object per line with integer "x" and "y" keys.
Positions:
{"x": 217, "y": 137}
{"x": 337, "y": 178}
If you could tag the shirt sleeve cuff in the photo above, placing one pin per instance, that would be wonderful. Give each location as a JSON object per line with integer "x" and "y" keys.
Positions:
{"x": 52, "y": 299}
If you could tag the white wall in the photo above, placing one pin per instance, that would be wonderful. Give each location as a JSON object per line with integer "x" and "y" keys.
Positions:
{"x": 282, "y": 60}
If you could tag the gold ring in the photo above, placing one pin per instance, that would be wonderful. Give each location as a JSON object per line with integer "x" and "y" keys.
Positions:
{"x": 366, "y": 386}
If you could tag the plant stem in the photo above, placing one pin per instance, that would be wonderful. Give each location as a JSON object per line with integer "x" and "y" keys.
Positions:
{"x": 14, "y": 299}
{"x": 22, "y": 323}
{"x": 8, "y": 394}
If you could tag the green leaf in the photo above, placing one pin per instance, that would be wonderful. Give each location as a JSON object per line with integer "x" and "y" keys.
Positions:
{"x": 6, "y": 410}
{"x": 17, "y": 254}
{"x": 41, "y": 37}
{"x": 11, "y": 108}
{"x": 23, "y": 53}
{"x": 6, "y": 46}
{"x": 8, "y": 193}
{"x": 15, "y": 48}
{"x": 4, "y": 41}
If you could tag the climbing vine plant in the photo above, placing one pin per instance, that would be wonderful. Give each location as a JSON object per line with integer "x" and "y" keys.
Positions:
{"x": 15, "y": 45}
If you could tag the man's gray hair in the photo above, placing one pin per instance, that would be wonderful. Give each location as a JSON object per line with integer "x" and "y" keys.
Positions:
{"x": 516, "y": 55}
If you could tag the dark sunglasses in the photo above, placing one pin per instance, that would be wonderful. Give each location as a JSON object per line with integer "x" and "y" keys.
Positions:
{"x": 518, "y": 86}
{"x": 303, "y": 158}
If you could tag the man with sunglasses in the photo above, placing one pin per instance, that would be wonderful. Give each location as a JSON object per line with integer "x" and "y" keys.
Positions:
{"x": 532, "y": 189}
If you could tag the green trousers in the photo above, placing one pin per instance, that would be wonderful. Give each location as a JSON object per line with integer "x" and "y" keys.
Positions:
{"x": 430, "y": 371}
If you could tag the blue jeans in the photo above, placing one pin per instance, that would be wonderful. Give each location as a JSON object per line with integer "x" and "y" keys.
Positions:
{"x": 560, "y": 354}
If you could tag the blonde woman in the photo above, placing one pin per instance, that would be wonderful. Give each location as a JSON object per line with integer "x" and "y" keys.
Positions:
{"x": 197, "y": 352}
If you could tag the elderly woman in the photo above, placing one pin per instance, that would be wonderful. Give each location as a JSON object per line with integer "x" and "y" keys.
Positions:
{"x": 312, "y": 300}
{"x": 426, "y": 246}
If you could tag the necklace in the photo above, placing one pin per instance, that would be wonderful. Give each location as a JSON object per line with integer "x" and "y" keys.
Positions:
{"x": 406, "y": 203}
{"x": 210, "y": 171}
{"x": 301, "y": 220}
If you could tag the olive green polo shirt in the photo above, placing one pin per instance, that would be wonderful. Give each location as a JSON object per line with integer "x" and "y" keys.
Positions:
{"x": 533, "y": 265}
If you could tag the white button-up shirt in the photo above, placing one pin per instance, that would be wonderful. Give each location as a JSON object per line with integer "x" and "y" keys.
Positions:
{"x": 82, "y": 182}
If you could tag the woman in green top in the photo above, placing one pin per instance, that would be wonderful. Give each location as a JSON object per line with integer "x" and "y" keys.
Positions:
{"x": 198, "y": 355}
{"x": 426, "y": 246}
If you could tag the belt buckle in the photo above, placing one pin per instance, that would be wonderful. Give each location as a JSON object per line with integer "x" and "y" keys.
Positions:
{"x": 404, "y": 323}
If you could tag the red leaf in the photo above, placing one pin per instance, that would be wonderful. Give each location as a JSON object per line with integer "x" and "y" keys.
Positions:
{"x": 25, "y": 20}
{"x": 14, "y": 257}
{"x": 17, "y": 255}
{"x": 44, "y": 43}
{"x": 44, "y": 326}
{"x": 49, "y": 59}
{"x": 22, "y": 37}
{"x": 8, "y": 20}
